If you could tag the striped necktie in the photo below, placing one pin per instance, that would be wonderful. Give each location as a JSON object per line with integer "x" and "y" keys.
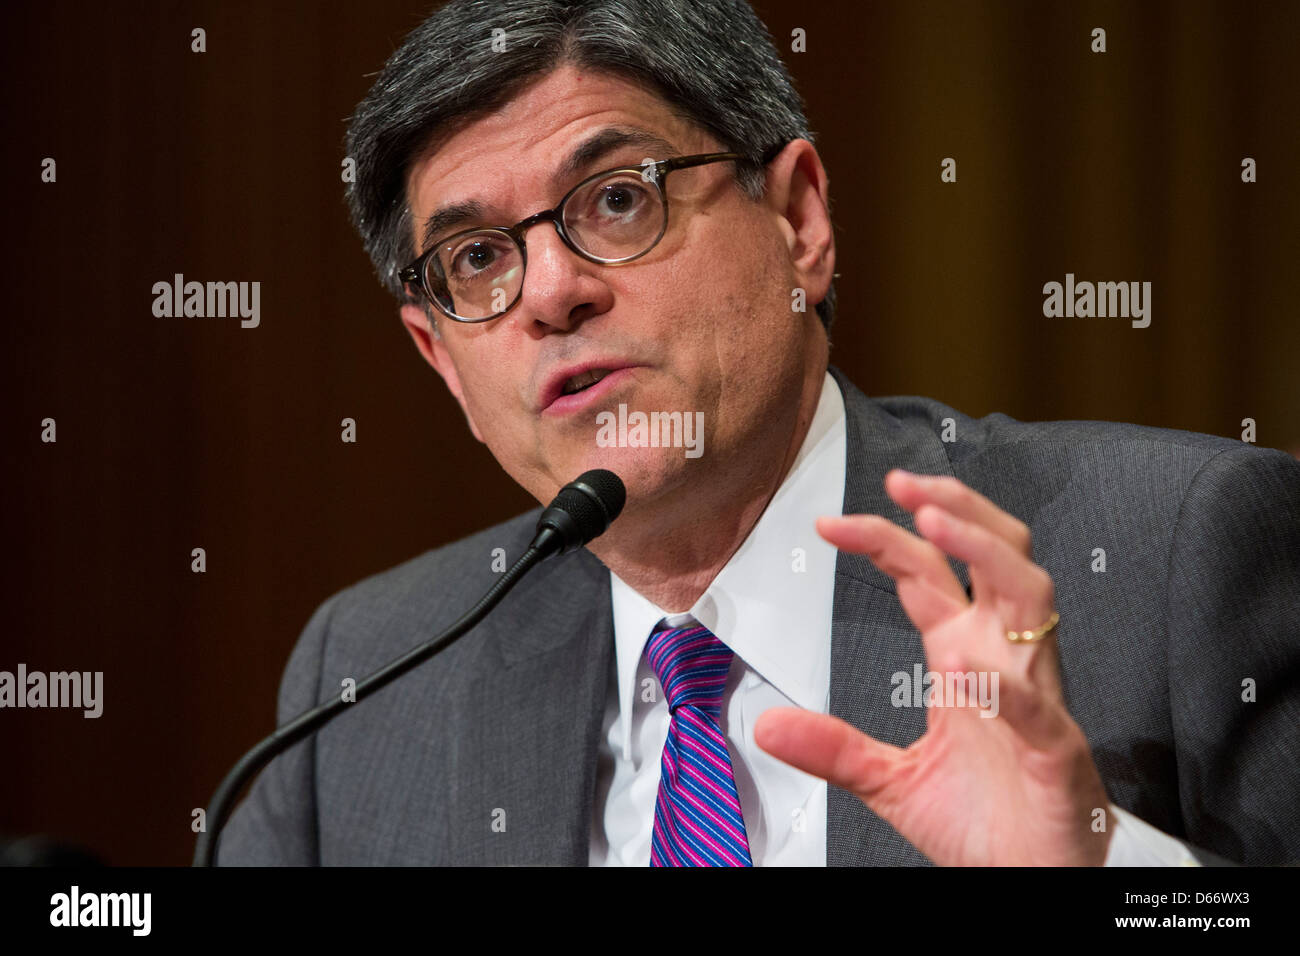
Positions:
{"x": 697, "y": 814}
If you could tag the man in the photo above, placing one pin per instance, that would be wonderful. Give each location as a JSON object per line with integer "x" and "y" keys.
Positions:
{"x": 709, "y": 682}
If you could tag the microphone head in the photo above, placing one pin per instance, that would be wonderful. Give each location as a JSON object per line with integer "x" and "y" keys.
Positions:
{"x": 600, "y": 487}
{"x": 584, "y": 509}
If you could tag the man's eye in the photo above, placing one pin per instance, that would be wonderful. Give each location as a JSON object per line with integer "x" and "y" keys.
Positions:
{"x": 620, "y": 200}
{"x": 473, "y": 259}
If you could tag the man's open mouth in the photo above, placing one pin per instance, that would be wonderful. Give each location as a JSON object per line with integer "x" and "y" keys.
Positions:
{"x": 583, "y": 380}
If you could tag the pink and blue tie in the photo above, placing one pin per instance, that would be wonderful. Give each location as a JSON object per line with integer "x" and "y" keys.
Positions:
{"x": 697, "y": 814}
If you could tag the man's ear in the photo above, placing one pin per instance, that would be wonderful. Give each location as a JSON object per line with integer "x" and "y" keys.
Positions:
{"x": 799, "y": 193}
{"x": 431, "y": 346}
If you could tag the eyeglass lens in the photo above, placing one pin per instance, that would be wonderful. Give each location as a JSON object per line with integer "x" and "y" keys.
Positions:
{"x": 480, "y": 274}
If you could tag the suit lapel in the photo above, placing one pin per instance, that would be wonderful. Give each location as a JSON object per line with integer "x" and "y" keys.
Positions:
{"x": 540, "y": 702}
{"x": 871, "y": 636}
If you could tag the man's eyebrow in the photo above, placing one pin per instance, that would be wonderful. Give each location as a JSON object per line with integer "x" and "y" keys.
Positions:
{"x": 607, "y": 141}
{"x": 448, "y": 216}
{"x": 585, "y": 154}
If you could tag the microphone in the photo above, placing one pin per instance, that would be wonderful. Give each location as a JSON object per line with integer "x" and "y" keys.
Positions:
{"x": 582, "y": 511}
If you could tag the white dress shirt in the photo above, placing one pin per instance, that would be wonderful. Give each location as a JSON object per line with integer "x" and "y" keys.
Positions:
{"x": 771, "y": 604}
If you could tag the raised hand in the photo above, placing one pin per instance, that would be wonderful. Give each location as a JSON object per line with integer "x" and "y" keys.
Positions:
{"x": 1018, "y": 788}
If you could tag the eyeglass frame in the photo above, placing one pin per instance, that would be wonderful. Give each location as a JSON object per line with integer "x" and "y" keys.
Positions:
{"x": 415, "y": 272}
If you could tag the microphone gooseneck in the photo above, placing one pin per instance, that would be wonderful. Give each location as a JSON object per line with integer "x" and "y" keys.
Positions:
{"x": 583, "y": 510}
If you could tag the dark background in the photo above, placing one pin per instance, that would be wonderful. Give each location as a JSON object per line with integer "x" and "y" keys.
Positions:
{"x": 176, "y": 433}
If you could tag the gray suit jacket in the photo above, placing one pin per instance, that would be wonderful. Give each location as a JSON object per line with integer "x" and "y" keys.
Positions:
{"x": 1201, "y": 591}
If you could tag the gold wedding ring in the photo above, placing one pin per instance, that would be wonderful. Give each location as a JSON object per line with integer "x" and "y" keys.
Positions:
{"x": 1034, "y": 634}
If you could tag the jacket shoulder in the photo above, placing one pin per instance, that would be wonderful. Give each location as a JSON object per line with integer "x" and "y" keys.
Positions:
{"x": 998, "y": 428}
{"x": 1156, "y": 456}
{"x": 452, "y": 567}
{"x": 381, "y": 616}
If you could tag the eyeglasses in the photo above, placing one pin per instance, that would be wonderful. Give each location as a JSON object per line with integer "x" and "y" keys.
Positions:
{"x": 614, "y": 216}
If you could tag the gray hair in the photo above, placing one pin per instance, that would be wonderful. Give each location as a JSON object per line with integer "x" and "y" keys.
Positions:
{"x": 712, "y": 61}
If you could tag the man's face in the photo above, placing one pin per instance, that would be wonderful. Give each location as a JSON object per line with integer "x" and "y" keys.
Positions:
{"x": 702, "y": 323}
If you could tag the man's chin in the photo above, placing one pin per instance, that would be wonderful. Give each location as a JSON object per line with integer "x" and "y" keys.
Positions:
{"x": 647, "y": 473}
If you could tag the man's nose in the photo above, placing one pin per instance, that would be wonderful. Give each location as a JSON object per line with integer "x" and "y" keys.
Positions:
{"x": 560, "y": 287}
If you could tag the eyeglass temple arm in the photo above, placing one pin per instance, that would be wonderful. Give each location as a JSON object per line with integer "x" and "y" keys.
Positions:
{"x": 685, "y": 162}
{"x": 666, "y": 166}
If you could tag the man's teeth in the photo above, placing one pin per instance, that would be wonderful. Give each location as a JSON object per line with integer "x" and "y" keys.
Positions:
{"x": 583, "y": 380}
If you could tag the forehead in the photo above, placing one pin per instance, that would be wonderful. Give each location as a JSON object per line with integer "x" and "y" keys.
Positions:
{"x": 529, "y": 147}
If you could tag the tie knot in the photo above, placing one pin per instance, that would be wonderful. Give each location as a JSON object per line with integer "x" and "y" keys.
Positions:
{"x": 691, "y": 665}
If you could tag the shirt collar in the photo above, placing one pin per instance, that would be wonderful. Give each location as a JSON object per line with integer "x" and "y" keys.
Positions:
{"x": 772, "y": 602}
